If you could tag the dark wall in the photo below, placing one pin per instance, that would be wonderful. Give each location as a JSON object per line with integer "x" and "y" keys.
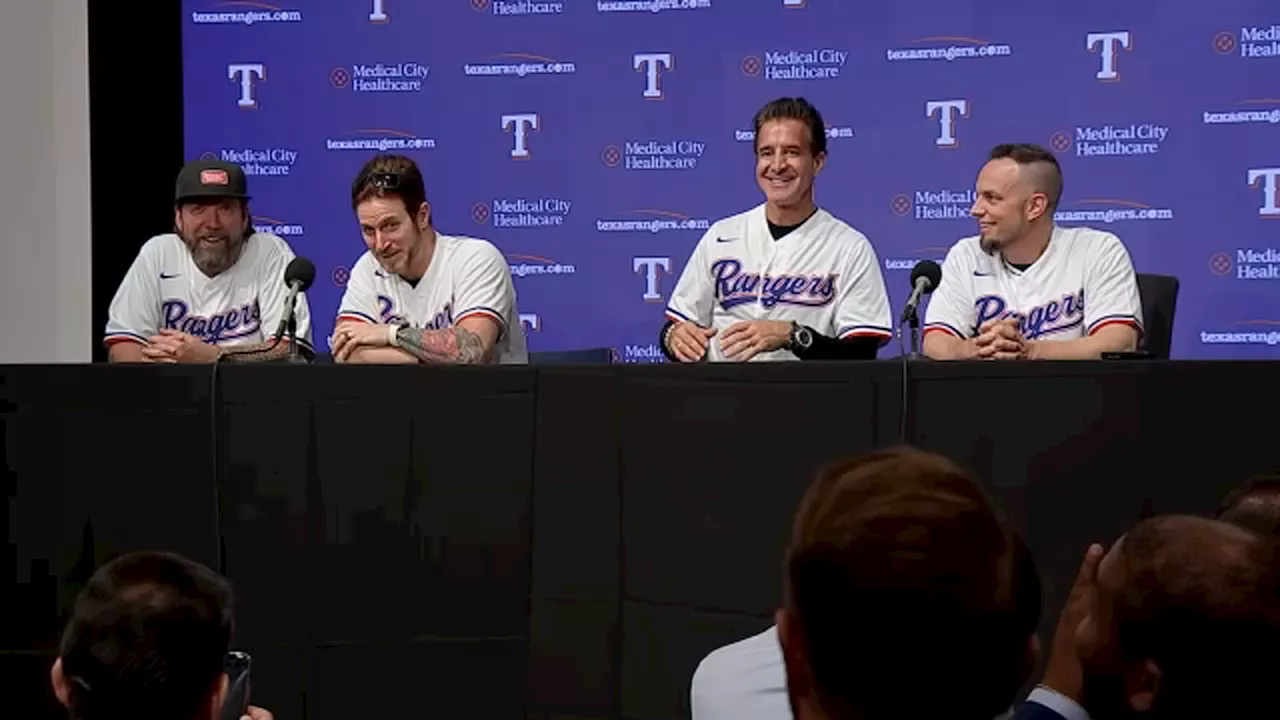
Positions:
{"x": 135, "y": 135}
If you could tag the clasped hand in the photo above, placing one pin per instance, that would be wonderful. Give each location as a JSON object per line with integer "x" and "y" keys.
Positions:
{"x": 1001, "y": 340}
{"x": 172, "y": 346}
{"x": 739, "y": 342}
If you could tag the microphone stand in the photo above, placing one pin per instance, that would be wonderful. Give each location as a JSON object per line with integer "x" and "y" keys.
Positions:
{"x": 914, "y": 323}
{"x": 291, "y": 328}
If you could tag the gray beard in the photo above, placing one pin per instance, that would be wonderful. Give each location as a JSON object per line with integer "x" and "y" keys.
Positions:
{"x": 217, "y": 259}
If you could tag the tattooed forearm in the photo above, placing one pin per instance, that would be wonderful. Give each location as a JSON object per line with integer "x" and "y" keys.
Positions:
{"x": 259, "y": 352}
{"x": 449, "y": 346}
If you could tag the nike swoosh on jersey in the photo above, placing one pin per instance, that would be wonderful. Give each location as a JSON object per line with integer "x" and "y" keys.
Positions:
{"x": 169, "y": 276}
{"x": 981, "y": 274}
{"x": 720, "y": 239}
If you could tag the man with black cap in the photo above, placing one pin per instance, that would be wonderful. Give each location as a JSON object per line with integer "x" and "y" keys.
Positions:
{"x": 211, "y": 286}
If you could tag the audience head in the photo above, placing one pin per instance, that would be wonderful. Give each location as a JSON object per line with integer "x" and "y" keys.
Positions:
{"x": 1255, "y": 505}
{"x": 903, "y": 597}
{"x": 1183, "y": 623}
{"x": 147, "y": 640}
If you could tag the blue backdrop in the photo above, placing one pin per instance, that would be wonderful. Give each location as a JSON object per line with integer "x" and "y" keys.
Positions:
{"x": 593, "y": 142}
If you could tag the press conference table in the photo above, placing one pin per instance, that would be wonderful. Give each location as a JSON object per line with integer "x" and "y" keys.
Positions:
{"x": 556, "y": 542}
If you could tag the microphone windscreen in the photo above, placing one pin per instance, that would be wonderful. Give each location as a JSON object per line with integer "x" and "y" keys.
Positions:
{"x": 927, "y": 269}
{"x": 300, "y": 270}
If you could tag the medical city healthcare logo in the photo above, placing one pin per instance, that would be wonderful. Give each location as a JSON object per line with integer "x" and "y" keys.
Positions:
{"x": 1259, "y": 110}
{"x": 517, "y": 7}
{"x": 1253, "y": 263}
{"x": 518, "y": 65}
{"x": 654, "y": 154}
{"x": 939, "y": 204}
{"x": 1252, "y": 42}
{"x": 244, "y": 13}
{"x": 398, "y": 77}
{"x": 522, "y": 212}
{"x": 287, "y": 230}
{"x": 650, "y": 6}
{"x": 1111, "y": 140}
{"x": 264, "y": 161}
{"x": 379, "y": 140}
{"x": 949, "y": 48}
{"x": 653, "y": 221}
{"x": 536, "y": 265}
{"x": 796, "y": 64}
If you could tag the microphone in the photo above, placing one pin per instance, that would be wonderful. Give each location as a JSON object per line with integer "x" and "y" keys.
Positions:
{"x": 299, "y": 275}
{"x": 925, "y": 277}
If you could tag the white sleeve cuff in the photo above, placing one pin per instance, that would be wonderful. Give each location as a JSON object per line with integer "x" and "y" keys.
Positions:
{"x": 1066, "y": 707}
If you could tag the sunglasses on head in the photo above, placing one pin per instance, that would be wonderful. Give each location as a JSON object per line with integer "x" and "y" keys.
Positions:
{"x": 385, "y": 180}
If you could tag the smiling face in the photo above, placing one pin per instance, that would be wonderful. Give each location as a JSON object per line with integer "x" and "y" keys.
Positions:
{"x": 395, "y": 238}
{"x": 214, "y": 231}
{"x": 1007, "y": 204}
{"x": 785, "y": 163}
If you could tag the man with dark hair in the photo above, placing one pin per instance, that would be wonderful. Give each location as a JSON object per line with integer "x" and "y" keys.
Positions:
{"x": 1025, "y": 288}
{"x": 1179, "y": 620}
{"x": 417, "y": 296}
{"x": 147, "y": 639}
{"x": 784, "y": 280}
{"x": 901, "y": 600}
{"x": 211, "y": 285}
{"x": 746, "y": 680}
{"x": 1255, "y": 505}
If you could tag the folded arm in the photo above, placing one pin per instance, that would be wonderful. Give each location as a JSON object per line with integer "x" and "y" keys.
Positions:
{"x": 470, "y": 342}
{"x": 1116, "y": 337}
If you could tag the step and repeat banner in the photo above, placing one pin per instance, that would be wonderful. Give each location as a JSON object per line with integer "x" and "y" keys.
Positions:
{"x": 593, "y": 141}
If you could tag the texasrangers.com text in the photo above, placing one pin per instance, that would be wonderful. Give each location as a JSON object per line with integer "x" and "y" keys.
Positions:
{"x": 651, "y": 225}
{"x": 1240, "y": 338}
{"x": 245, "y": 18}
{"x": 381, "y": 144}
{"x": 520, "y": 69}
{"x": 650, "y": 5}
{"x": 950, "y": 53}
{"x": 526, "y": 269}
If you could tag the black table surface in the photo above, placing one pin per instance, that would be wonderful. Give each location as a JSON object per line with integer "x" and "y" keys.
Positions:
{"x": 555, "y": 542}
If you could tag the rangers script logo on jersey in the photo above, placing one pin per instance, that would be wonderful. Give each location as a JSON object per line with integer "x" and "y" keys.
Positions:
{"x": 466, "y": 277}
{"x": 823, "y": 274}
{"x": 1084, "y": 281}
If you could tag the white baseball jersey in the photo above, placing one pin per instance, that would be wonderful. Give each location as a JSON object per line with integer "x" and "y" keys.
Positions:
{"x": 242, "y": 305}
{"x": 466, "y": 277}
{"x": 1082, "y": 282}
{"x": 823, "y": 274}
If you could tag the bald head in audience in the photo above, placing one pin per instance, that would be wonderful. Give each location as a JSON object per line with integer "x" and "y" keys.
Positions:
{"x": 901, "y": 600}
{"x": 1184, "y": 622}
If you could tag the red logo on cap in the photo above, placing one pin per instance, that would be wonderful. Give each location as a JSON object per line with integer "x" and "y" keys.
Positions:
{"x": 213, "y": 177}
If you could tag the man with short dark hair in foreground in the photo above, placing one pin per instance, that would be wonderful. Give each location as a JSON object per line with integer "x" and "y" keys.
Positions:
{"x": 1179, "y": 620}
{"x": 147, "y": 640}
{"x": 900, "y": 596}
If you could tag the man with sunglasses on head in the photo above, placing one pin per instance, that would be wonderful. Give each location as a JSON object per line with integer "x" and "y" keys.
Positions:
{"x": 417, "y": 296}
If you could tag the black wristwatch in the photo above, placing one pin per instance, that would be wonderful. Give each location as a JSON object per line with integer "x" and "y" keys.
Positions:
{"x": 801, "y": 337}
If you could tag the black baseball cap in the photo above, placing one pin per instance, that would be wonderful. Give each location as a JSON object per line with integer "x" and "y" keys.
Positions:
{"x": 203, "y": 179}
